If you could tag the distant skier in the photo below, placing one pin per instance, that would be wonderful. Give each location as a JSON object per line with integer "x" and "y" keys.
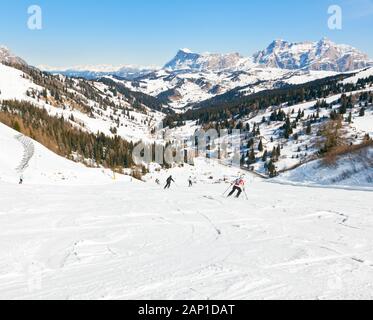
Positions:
{"x": 157, "y": 181}
{"x": 21, "y": 180}
{"x": 168, "y": 184}
{"x": 239, "y": 186}
{"x": 190, "y": 182}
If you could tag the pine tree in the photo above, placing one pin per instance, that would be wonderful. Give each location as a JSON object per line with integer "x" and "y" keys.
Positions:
{"x": 274, "y": 154}
{"x": 260, "y": 146}
{"x": 362, "y": 112}
{"x": 252, "y": 158}
{"x": 250, "y": 143}
{"x": 288, "y": 130}
{"x": 343, "y": 108}
{"x": 278, "y": 151}
{"x": 265, "y": 156}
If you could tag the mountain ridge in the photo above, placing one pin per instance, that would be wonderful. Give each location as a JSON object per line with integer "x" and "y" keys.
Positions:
{"x": 322, "y": 55}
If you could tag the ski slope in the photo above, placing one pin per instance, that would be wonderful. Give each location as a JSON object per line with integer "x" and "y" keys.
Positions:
{"x": 107, "y": 239}
{"x": 44, "y": 167}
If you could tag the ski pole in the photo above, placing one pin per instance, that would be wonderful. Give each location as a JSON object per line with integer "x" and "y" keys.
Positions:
{"x": 227, "y": 190}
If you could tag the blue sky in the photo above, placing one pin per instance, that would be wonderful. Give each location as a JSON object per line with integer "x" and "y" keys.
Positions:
{"x": 149, "y": 32}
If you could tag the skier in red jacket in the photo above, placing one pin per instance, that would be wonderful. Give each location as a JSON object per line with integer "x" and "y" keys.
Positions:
{"x": 239, "y": 186}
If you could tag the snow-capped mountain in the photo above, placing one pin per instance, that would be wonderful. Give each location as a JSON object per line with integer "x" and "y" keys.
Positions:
{"x": 128, "y": 72}
{"x": 186, "y": 59}
{"x": 322, "y": 55}
{"x": 192, "y": 77}
{"x": 6, "y": 56}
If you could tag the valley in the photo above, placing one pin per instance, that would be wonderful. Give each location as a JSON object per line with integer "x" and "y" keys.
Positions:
{"x": 81, "y": 220}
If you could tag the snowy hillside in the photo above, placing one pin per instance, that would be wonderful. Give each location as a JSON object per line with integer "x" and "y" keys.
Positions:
{"x": 361, "y": 74}
{"x": 13, "y": 84}
{"x": 284, "y": 136}
{"x": 106, "y": 111}
{"x": 353, "y": 170}
{"x": 302, "y": 147}
{"x": 183, "y": 88}
{"x": 23, "y": 157}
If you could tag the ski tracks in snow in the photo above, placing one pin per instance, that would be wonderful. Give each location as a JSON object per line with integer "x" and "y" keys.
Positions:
{"x": 28, "y": 152}
{"x": 217, "y": 230}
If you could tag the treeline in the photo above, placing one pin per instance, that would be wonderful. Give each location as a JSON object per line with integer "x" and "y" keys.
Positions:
{"x": 61, "y": 137}
{"x": 234, "y": 105}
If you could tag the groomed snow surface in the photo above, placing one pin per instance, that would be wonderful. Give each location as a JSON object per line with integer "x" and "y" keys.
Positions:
{"x": 123, "y": 239}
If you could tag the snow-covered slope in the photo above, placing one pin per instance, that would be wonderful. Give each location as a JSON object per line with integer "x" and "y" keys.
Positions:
{"x": 130, "y": 123}
{"x": 22, "y": 157}
{"x": 322, "y": 55}
{"x": 106, "y": 242}
{"x": 352, "y": 170}
{"x": 14, "y": 85}
{"x": 306, "y": 146}
{"x": 363, "y": 74}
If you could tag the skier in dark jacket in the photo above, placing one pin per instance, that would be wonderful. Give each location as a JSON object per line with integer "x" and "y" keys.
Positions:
{"x": 168, "y": 184}
{"x": 190, "y": 182}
